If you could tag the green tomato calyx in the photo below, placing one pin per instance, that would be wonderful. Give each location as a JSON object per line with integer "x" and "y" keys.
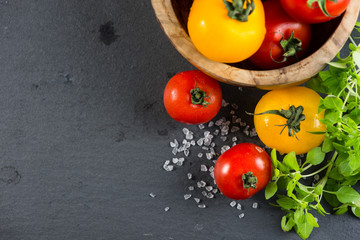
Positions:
{"x": 290, "y": 46}
{"x": 199, "y": 96}
{"x": 240, "y": 9}
{"x": 249, "y": 180}
{"x": 322, "y": 6}
{"x": 294, "y": 116}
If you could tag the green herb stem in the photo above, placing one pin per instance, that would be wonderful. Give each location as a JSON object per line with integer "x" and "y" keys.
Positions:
{"x": 316, "y": 172}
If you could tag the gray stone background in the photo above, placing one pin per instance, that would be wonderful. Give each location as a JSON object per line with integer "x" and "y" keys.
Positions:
{"x": 84, "y": 134}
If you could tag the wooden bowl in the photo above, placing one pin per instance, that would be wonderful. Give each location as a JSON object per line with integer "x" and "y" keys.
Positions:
{"x": 327, "y": 40}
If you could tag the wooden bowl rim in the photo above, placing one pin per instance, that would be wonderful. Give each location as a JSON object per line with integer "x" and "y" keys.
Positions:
{"x": 292, "y": 74}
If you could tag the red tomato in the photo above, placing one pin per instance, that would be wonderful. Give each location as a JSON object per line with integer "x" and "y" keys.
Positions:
{"x": 279, "y": 28}
{"x": 299, "y": 9}
{"x": 192, "y": 97}
{"x": 242, "y": 171}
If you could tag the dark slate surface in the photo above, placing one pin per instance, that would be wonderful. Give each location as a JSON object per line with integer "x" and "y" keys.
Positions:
{"x": 84, "y": 133}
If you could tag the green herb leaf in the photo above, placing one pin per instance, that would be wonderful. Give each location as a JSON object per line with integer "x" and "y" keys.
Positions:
{"x": 311, "y": 220}
{"x": 291, "y": 162}
{"x": 347, "y": 194}
{"x": 332, "y": 102}
{"x": 270, "y": 189}
{"x": 304, "y": 229}
{"x": 356, "y": 211}
{"x": 287, "y": 222}
{"x": 341, "y": 210}
{"x": 274, "y": 158}
{"x": 315, "y": 156}
{"x": 287, "y": 203}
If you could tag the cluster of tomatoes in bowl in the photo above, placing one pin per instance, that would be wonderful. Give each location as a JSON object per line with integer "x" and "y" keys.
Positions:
{"x": 270, "y": 34}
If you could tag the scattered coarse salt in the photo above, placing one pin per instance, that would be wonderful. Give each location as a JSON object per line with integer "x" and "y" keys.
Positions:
{"x": 238, "y": 206}
{"x": 253, "y": 132}
{"x": 234, "y": 139}
{"x": 204, "y": 193}
{"x": 242, "y": 124}
{"x": 200, "y": 155}
{"x": 191, "y": 188}
{"x": 187, "y": 196}
{"x": 201, "y": 184}
{"x": 185, "y": 131}
{"x": 207, "y": 141}
{"x": 215, "y": 190}
{"x": 212, "y": 151}
{"x": 255, "y": 205}
{"x": 234, "y": 118}
{"x": 234, "y": 129}
{"x": 189, "y": 136}
{"x": 224, "y": 103}
{"x": 246, "y": 130}
{"x": 186, "y": 152}
{"x": 212, "y": 175}
{"x": 193, "y": 143}
{"x": 235, "y": 106}
{"x": 233, "y": 204}
{"x": 216, "y": 132}
{"x": 152, "y": 195}
{"x": 197, "y": 200}
{"x": 211, "y": 168}
{"x": 189, "y": 175}
{"x": 175, "y": 160}
{"x": 180, "y": 161}
{"x": 210, "y": 195}
{"x": 203, "y": 168}
{"x": 224, "y": 138}
{"x": 220, "y": 121}
{"x": 224, "y": 148}
{"x": 233, "y": 144}
{"x": 169, "y": 168}
{"x": 240, "y": 88}
{"x": 201, "y": 126}
{"x": 174, "y": 151}
{"x": 209, "y": 156}
{"x": 212, "y": 144}
{"x": 210, "y": 124}
{"x": 166, "y": 209}
{"x": 209, "y": 188}
{"x": 241, "y": 215}
{"x": 201, "y": 206}
{"x": 232, "y": 112}
{"x": 200, "y": 141}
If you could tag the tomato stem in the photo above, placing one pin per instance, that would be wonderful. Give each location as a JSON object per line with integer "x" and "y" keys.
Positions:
{"x": 249, "y": 180}
{"x": 290, "y": 46}
{"x": 240, "y": 9}
{"x": 294, "y": 117}
{"x": 199, "y": 96}
{"x": 322, "y": 5}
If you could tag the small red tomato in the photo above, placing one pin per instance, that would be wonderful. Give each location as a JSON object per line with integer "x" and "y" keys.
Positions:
{"x": 242, "y": 171}
{"x": 286, "y": 39}
{"x": 192, "y": 97}
{"x": 314, "y": 11}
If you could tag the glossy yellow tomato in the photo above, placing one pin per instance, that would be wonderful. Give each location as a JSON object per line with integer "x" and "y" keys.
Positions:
{"x": 273, "y": 130}
{"x": 221, "y": 38}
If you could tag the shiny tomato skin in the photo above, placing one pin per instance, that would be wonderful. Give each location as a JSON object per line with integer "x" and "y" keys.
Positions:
{"x": 177, "y": 97}
{"x": 299, "y": 10}
{"x": 221, "y": 38}
{"x": 279, "y": 25}
{"x": 269, "y": 126}
{"x": 238, "y": 160}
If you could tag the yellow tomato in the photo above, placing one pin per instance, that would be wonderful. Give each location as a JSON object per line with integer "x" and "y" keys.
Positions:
{"x": 221, "y": 38}
{"x": 269, "y": 126}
